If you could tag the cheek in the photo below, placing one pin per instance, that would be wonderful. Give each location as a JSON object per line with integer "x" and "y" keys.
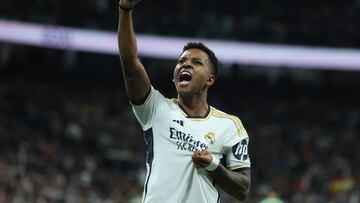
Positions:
{"x": 202, "y": 75}
{"x": 176, "y": 72}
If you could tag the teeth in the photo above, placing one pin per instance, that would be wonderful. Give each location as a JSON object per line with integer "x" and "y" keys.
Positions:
{"x": 185, "y": 76}
{"x": 185, "y": 73}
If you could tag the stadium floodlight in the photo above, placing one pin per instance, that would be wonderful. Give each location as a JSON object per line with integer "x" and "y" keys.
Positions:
{"x": 170, "y": 47}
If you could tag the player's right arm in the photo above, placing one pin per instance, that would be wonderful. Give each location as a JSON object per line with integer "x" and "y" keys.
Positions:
{"x": 137, "y": 82}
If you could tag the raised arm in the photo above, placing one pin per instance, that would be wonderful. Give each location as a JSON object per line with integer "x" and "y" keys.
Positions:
{"x": 137, "y": 82}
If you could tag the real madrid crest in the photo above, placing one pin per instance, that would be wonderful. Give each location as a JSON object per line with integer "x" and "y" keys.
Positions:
{"x": 210, "y": 137}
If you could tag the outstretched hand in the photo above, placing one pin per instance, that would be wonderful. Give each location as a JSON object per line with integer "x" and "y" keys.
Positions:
{"x": 128, "y": 4}
{"x": 201, "y": 159}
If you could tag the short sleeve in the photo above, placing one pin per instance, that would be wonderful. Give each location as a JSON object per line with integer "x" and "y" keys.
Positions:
{"x": 146, "y": 112}
{"x": 236, "y": 148}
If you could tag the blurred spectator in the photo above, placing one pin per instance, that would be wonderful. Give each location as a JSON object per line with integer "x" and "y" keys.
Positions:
{"x": 325, "y": 23}
{"x": 272, "y": 198}
{"x": 67, "y": 133}
{"x": 77, "y": 141}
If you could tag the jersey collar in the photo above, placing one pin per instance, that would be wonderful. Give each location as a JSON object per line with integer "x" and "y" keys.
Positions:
{"x": 199, "y": 118}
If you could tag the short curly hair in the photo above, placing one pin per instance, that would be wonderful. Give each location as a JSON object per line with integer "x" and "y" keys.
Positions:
{"x": 213, "y": 59}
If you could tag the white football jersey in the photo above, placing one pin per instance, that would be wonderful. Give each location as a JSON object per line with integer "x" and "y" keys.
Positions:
{"x": 171, "y": 137}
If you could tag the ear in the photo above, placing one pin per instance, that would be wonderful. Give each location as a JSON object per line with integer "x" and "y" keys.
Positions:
{"x": 210, "y": 81}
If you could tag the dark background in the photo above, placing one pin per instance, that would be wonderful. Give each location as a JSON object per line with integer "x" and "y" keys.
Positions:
{"x": 67, "y": 133}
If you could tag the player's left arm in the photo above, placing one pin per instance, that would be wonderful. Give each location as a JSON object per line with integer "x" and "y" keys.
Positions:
{"x": 237, "y": 184}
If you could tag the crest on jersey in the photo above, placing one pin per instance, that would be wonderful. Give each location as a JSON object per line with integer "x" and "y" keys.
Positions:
{"x": 210, "y": 137}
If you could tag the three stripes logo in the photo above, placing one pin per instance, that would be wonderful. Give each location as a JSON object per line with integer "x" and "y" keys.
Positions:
{"x": 180, "y": 122}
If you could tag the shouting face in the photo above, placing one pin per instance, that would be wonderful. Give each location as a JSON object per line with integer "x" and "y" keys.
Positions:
{"x": 193, "y": 73}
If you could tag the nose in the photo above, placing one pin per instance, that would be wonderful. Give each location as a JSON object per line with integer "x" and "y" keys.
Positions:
{"x": 186, "y": 64}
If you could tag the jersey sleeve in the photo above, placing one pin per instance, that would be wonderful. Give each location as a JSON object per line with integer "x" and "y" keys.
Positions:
{"x": 146, "y": 112}
{"x": 236, "y": 148}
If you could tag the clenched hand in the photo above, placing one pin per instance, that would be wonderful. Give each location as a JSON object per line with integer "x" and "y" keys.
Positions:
{"x": 202, "y": 159}
{"x": 128, "y": 4}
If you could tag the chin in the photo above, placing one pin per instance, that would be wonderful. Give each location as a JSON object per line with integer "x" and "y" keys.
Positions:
{"x": 184, "y": 92}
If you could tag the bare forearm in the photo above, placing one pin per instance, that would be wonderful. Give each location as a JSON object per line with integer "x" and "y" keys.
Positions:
{"x": 137, "y": 82}
{"x": 127, "y": 39}
{"x": 235, "y": 183}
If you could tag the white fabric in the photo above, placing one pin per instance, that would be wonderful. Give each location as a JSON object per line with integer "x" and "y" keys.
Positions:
{"x": 173, "y": 137}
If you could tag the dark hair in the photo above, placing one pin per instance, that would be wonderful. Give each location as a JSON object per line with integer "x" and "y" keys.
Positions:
{"x": 213, "y": 60}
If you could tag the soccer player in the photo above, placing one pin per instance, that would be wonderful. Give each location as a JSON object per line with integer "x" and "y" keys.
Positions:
{"x": 185, "y": 137}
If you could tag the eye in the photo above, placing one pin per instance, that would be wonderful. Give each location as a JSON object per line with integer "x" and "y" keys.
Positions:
{"x": 197, "y": 62}
{"x": 181, "y": 61}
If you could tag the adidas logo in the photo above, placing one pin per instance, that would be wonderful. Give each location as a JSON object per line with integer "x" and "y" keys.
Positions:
{"x": 180, "y": 122}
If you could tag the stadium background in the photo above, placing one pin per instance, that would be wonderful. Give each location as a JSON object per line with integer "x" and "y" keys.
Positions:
{"x": 67, "y": 133}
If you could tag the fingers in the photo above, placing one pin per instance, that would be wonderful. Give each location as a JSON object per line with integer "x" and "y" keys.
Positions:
{"x": 201, "y": 153}
{"x": 201, "y": 159}
{"x": 128, "y": 4}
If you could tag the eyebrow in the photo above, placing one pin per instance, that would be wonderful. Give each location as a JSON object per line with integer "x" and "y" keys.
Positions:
{"x": 199, "y": 59}
{"x": 194, "y": 58}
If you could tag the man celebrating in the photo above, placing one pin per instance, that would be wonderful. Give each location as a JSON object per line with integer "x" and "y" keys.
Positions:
{"x": 185, "y": 137}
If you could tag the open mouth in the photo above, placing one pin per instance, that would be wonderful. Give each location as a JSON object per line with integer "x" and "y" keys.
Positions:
{"x": 184, "y": 78}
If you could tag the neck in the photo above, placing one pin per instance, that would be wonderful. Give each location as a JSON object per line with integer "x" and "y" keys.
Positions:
{"x": 195, "y": 105}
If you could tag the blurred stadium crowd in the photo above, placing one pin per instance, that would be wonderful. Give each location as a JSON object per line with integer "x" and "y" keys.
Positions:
{"x": 76, "y": 140}
{"x": 67, "y": 145}
{"x": 305, "y": 22}
{"x": 67, "y": 133}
